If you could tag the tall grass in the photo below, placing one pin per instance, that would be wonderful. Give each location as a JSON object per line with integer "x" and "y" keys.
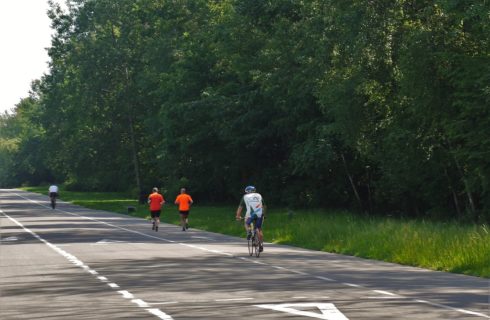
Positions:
{"x": 441, "y": 246}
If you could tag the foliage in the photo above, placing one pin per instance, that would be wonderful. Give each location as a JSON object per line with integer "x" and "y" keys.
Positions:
{"x": 381, "y": 108}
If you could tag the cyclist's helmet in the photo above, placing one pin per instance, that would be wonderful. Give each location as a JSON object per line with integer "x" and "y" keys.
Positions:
{"x": 249, "y": 189}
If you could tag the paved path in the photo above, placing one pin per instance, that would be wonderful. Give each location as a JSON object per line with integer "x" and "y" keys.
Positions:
{"x": 76, "y": 263}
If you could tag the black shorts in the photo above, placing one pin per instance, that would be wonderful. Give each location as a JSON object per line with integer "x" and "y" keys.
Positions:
{"x": 185, "y": 214}
{"x": 155, "y": 213}
{"x": 53, "y": 194}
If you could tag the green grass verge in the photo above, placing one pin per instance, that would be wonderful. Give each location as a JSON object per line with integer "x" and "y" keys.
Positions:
{"x": 447, "y": 247}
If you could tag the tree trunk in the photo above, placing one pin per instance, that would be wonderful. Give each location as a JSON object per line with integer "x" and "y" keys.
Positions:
{"x": 354, "y": 189}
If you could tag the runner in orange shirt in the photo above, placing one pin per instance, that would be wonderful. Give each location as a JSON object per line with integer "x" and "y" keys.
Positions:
{"x": 184, "y": 201}
{"x": 156, "y": 201}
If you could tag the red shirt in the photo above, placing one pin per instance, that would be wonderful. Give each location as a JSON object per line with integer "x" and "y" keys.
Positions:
{"x": 156, "y": 201}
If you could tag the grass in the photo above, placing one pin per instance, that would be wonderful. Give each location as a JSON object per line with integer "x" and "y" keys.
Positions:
{"x": 449, "y": 247}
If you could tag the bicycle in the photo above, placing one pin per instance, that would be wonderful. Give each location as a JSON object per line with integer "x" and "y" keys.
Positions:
{"x": 253, "y": 243}
{"x": 53, "y": 201}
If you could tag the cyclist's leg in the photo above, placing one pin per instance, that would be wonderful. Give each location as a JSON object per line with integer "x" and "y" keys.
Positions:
{"x": 248, "y": 221}
{"x": 258, "y": 223}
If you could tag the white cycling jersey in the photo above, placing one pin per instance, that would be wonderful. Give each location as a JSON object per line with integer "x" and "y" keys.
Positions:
{"x": 53, "y": 188}
{"x": 253, "y": 203}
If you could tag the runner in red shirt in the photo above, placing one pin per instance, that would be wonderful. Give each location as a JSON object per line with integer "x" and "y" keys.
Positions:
{"x": 184, "y": 201}
{"x": 156, "y": 201}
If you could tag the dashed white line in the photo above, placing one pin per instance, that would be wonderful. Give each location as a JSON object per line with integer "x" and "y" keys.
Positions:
{"x": 235, "y": 299}
{"x": 140, "y": 303}
{"x": 324, "y": 278}
{"x": 159, "y": 313}
{"x": 126, "y": 294}
{"x": 384, "y": 292}
{"x": 453, "y": 309}
{"x": 228, "y": 254}
{"x": 352, "y": 285}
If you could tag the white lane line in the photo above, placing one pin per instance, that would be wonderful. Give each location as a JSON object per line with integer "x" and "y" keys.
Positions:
{"x": 200, "y": 248}
{"x": 234, "y": 299}
{"x": 76, "y": 261}
{"x": 299, "y": 272}
{"x": 280, "y": 268}
{"x": 126, "y": 294}
{"x": 158, "y": 303}
{"x": 453, "y": 309}
{"x": 352, "y": 285}
{"x": 324, "y": 278}
{"x": 102, "y": 279}
{"x": 93, "y": 272}
{"x": 384, "y": 292}
{"x": 159, "y": 313}
{"x": 140, "y": 303}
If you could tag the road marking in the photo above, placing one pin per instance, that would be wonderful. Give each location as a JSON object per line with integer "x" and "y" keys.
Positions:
{"x": 328, "y": 310}
{"x": 352, "y": 285}
{"x": 9, "y": 239}
{"x": 200, "y": 237}
{"x": 168, "y": 302}
{"x": 159, "y": 313}
{"x": 324, "y": 278}
{"x": 232, "y": 255}
{"x": 76, "y": 261}
{"x": 102, "y": 279}
{"x": 107, "y": 241}
{"x": 140, "y": 303}
{"x": 385, "y": 292}
{"x": 235, "y": 299}
{"x": 453, "y": 309}
{"x": 126, "y": 294}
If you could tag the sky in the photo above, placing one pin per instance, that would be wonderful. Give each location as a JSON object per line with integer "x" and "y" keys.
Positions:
{"x": 25, "y": 34}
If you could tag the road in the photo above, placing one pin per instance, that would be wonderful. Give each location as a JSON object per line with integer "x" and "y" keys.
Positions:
{"x": 77, "y": 263}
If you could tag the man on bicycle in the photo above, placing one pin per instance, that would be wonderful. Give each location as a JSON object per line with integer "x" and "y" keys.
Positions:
{"x": 255, "y": 213}
{"x": 53, "y": 194}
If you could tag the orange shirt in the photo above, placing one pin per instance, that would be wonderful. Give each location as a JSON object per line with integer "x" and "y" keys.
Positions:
{"x": 156, "y": 200}
{"x": 184, "y": 201}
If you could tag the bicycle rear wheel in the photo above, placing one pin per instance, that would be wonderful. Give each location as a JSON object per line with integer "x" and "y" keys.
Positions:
{"x": 256, "y": 246}
{"x": 251, "y": 246}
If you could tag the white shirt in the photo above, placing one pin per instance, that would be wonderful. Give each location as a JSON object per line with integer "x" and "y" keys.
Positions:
{"x": 253, "y": 202}
{"x": 53, "y": 188}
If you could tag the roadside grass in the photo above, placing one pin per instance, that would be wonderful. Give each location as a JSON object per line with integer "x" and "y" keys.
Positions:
{"x": 444, "y": 246}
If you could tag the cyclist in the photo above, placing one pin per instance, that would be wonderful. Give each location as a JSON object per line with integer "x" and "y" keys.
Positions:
{"x": 255, "y": 206}
{"x": 184, "y": 201}
{"x": 53, "y": 194}
{"x": 156, "y": 201}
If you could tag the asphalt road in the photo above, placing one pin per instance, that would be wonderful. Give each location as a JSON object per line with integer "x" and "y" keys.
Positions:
{"x": 76, "y": 263}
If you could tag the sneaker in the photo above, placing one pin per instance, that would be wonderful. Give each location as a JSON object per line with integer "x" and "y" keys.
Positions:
{"x": 261, "y": 248}
{"x": 249, "y": 235}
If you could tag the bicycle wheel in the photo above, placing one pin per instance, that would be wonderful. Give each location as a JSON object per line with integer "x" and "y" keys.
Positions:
{"x": 251, "y": 246}
{"x": 256, "y": 246}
